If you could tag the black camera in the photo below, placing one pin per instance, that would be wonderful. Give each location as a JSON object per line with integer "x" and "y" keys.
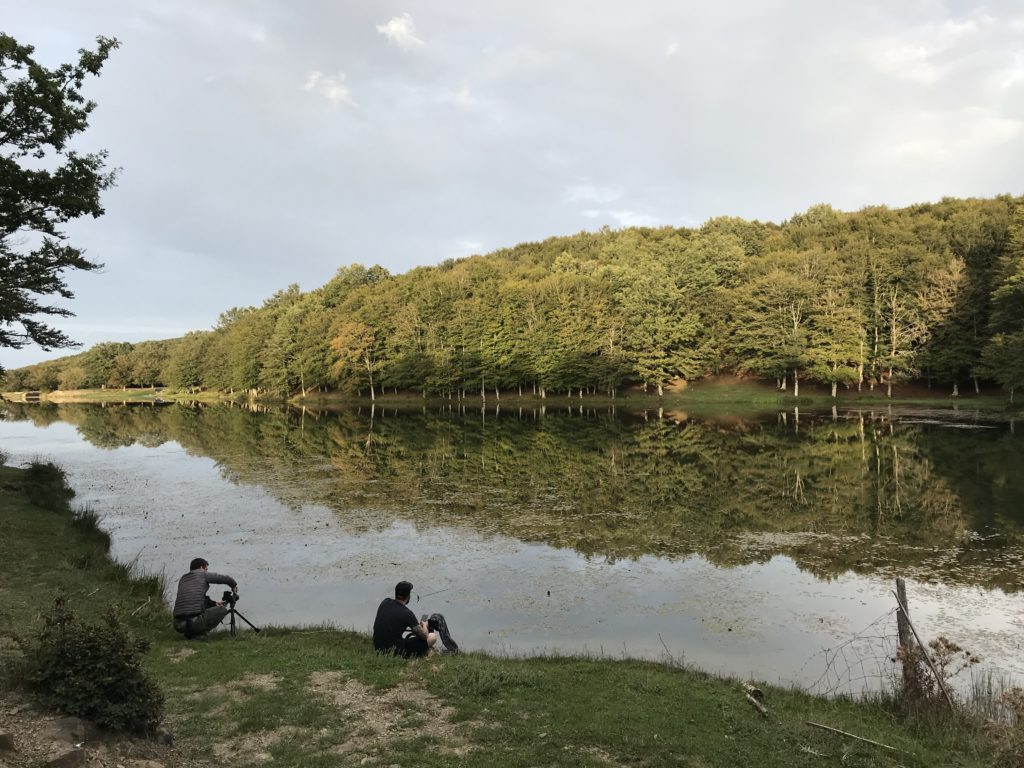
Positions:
{"x": 229, "y": 598}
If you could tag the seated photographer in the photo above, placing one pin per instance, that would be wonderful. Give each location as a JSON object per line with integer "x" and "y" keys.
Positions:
{"x": 393, "y": 618}
{"x": 195, "y": 614}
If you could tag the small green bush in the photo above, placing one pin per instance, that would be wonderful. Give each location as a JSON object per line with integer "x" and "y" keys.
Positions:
{"x": 93, "y": 671}
{"x": 46, "y": 486}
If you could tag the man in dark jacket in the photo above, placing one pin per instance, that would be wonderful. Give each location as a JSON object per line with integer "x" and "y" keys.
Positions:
{"x": 194, "y": 613}
{"x": 393, "y": 618}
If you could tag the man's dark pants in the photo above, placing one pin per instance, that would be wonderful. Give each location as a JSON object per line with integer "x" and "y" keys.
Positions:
{"x": 200, "y": 624}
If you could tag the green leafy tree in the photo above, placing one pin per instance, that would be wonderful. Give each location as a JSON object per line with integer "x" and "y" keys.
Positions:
{"x": 146, "y": 359}
{"x": 836, "y": 339}
{"x": 43, "y": 185}
{"x": 1003, "y": 360}
{"x": 73, "y": 377}
{"x": 771, "y": 322}
{"x": 185, "y": 365}
{"x": 104, "y": 364}
{"x": 357, "y": 353}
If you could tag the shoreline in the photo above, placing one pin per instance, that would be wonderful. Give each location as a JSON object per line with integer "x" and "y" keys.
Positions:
{"x": 293, "y": 678}
{"x": 706, "y": 396}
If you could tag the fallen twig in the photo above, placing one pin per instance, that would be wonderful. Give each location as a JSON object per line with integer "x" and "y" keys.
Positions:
{"x": 755, "y": 696}
{"x": 140, "y": 607}
{"x": 854, "y": 736}
{"x": 757, "y": 705}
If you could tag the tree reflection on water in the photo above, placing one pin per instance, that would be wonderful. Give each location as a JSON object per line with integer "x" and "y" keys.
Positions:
{"x": 886, "y": 492}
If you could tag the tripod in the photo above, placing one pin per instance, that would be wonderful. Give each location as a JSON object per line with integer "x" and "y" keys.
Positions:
{"x": 232, "y": 612}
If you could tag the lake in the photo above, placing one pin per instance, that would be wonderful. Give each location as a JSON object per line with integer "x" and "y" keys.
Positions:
{"x": 761, "y": 544}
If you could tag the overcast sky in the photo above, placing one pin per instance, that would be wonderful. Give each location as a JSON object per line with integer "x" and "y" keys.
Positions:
{"x": 268, "y": 143}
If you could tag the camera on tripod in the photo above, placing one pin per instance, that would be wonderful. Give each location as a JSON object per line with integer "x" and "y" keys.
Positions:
{"x": 229, "y": 598}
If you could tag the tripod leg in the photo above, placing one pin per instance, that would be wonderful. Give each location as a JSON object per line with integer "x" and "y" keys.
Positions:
{"x": 243, "y": 619}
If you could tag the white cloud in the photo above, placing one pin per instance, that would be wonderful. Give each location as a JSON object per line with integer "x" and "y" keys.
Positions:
{"x": 462, "y": 97}
{"x": 623, "y": 218}
{"x": 331, "y": 87}
{"x": 906, "y": 61}
{"x": 634, "y": 219}
{"x": 672, "y": 49}
{"x": 257, "y": 34}
{"x": 473, "y": 246}
{"x": 928, "y": 53}
{"x": 401, "y": 31}
{"x": 1015, "y": 72}
{"x": 590, "y": 193}
{"x": 951, "y": 136}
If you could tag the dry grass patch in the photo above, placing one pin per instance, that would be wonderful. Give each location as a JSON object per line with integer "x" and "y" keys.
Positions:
{"x": 252, "y": 683}
{"x": 179, "y": 655}
{"x": 379, "y": 715}
{"x": 249, "y": 748}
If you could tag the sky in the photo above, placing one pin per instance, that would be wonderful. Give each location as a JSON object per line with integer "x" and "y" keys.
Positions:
{"x": 268, "y": 143}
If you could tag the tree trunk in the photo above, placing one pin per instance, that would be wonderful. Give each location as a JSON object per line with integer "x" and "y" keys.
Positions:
{"x": 661, "y": 390}
{"x": 796, "y": 383}
{"x": 543, "y": 393}
{"x": 783, "y": 384}
{"x": 860, "y": 368}
{"x": 956, "y": 389}
{"x": 834, "y": 384}
{"x": 977, "y": 389}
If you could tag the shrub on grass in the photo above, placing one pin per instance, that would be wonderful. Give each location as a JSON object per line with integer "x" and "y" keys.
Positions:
{"x": 1010, "y": 739}
{"x": 46, "y": 486}
{"x": 93, "y": 671}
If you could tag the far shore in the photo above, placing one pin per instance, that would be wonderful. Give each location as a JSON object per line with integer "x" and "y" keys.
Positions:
{"x": 724, "y": 392}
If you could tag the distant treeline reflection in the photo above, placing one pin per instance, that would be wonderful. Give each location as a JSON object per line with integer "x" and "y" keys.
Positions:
{"x": 860, "y": 491}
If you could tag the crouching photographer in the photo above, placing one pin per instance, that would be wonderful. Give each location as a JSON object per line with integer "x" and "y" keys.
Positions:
{"x": 195, "y": 614}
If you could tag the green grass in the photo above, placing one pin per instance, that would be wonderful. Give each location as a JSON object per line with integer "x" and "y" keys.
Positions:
{"x": 320, "y": 697}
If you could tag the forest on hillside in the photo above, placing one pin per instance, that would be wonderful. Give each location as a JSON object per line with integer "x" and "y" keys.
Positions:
{"x": 871, "y": 298}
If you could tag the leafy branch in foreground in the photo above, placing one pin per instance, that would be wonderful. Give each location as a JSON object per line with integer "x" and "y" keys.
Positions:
{"x": 45, "y": 185}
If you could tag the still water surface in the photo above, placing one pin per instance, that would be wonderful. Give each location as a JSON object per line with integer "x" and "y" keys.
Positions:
{"x": 746, "y": 544}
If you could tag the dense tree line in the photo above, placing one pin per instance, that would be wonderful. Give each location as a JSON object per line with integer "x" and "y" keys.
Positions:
{"x": 857, "y": 300}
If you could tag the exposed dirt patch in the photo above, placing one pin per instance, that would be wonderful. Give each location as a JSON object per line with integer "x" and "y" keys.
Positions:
{"x": 378, "y": 716}
{"x": 251, "y": 683}
{"x": 254, "y": 747}
{"x": 602, "y": 756}
{"x": 40, "y": 737}
{"x": 178, "y": 656}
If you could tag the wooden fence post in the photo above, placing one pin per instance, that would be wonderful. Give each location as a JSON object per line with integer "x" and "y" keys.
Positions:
{"x": 902, "y": 619}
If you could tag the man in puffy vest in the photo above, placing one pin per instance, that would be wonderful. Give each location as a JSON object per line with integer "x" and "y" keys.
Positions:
{"x": 195, "y": 614}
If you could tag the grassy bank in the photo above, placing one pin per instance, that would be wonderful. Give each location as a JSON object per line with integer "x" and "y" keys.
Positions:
{"x": 320, "y": 697}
